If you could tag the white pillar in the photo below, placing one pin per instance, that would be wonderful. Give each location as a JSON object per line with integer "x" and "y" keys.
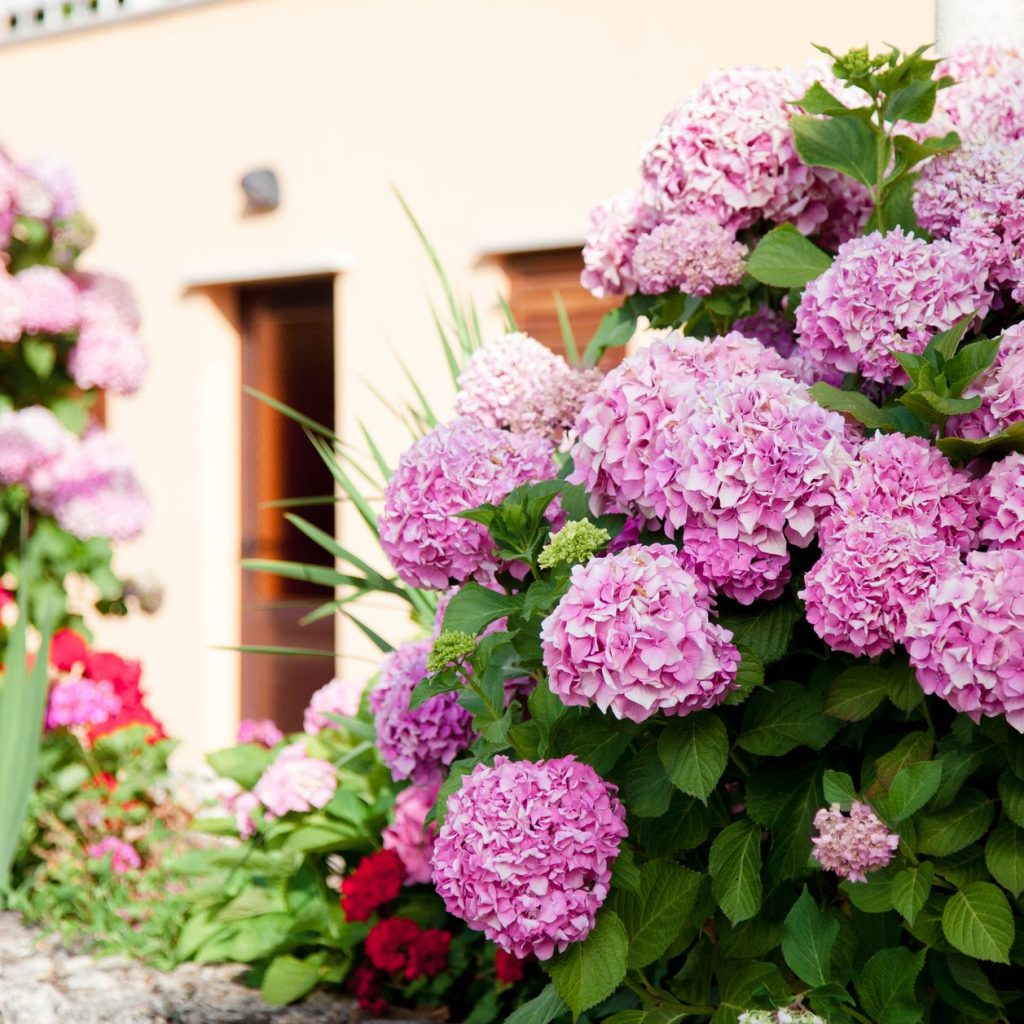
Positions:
{"x": 995, "y": 22}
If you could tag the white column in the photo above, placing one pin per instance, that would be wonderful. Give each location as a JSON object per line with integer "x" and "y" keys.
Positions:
{"x": 995, "y": 22}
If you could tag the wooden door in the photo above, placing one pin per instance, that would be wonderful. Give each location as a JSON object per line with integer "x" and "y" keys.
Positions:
{"x": 287, "y": 352}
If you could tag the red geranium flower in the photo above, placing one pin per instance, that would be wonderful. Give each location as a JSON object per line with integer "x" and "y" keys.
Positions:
{"x": 508, "y": 969}
{"x": 377, "y": 880}
{"x": 67, "y": 649}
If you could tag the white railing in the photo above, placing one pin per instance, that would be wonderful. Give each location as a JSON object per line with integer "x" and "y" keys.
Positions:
{"x": 25, "y": 19}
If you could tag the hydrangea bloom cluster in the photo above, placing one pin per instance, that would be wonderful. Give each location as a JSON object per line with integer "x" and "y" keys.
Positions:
{"x": 988, "y": 96}
{"x": 456, "y": 467}
{"x": 338, "y": 697}
{"x": 694, "y": 254}
{"x": 525, "y": 852}
{"x": 632, "y": 636}
{"x": 59, "y": 184}
{"x": 49, "y": 301}
{"x": 1001, "y": 504}
{"x": 123, "y": 856}
{"x": 110, "y": 358}
{"x": 1000, "y": 388}
{"x": 516, "y": 383}
{"x": 735, "y": 566}
{"x": 886, "y": 292}
{"x": 409, "y": 835}
{"x": 966, "y": 638}
{"x": 416, "y": 743}
{"x": 852, "y": 844}
{"x": 857, "y": 595}
{"x": 30, "y": 438}
{"x": 786, "y": 1016}
{"x": 770, "y": 328}
{"x": 296, "y": 782}
{"x": 610, "y": 241}
{"x": 263, "y": 732}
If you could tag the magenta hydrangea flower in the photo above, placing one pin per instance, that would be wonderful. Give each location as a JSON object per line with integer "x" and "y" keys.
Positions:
{"x": 296, "y": 782}
{"x": 966, "y": 637}
{"x": 123, "y": 856}
{"x": 692, "y": 253}
{"x": 770, "y": 328}
{"x": 852, "y": 844}
{"x": 757, "y": 459}
{"x": 857, "y": 594}
{"x": 525, "y": 852}
{"x": 907, "y": 478}
{"x": 1001, "y": 503}
{"x": 261, "y": 731}
{"x": 338, "y": 697}
{"x": 1000, "y": 388}
{"x": 625, "y": 425}
{"x": 416, "y": 743}
{"x": 516, "y": 383}
{"x": 886, "y": 292}
{"x": 988, "y": 98}
{"x": 49, "y": 300}
{"x": 735, "y": 567}
{"x": 454, "y": 468}
{"x": 110, "y": 358}
{"x": 30, "y": 438}
{"x": 632, "y": 636}
{"x": 92, "y": 491}
{"x": 78, "y": 701}
{"x": 409, "y": 835}
{"x": 609, "y": 242}
{"x": 727, "y": 152}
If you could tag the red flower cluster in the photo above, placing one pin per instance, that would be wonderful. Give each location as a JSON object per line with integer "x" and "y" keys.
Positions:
{"x": 400, "y": 944}
{"x": 365, "y": 985}
{"x": 508, "y": 969}
{"x": 70, "y": 653}
{"x": 376, "y": 881}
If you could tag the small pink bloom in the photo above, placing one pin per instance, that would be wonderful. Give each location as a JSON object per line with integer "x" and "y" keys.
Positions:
{"x": 123, "y": 856}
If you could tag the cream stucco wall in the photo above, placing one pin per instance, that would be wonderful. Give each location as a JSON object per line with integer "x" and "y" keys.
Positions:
{"x": 500, "y": 120}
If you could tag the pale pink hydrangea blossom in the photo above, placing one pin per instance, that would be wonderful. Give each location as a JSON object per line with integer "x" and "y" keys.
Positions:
{"x": 8, "y": 198}
{"x": 49, "y": 300}
{"x": 107, "y": 301}
{"x": 243, "y": 807}
{"x": 966, "y": 637}
{"x": 11, "y": 320}
{"x": 338, "y": 697}
{"x": 416, "y": 743}
{"x": 123, "y": 856}
{"x": 78, "y": 701}
{"x": 609, "y": 243}
{"x": 456, "y": 467}
{"x": 988, "y": 98}
{"x": 1000, "y": 388}
{"x": 110, "y": 358}
{"x": 632, "y": 636}
{"x": 57, "y": 177}
{"x": 734, "y": 566}
{"x": 694, "y": 254}
{"x": 409, "y": 835}
{"x": 515, "y": 383}
{"x": 261, "y": 731}
{"x": 525, "y": 852}
{"x": 1001, "y": 503}
{"x": 852, "y": 844}
{"x": 886, "y": 292}
{"x": 296, "y": 782}
{"x": 30, "y": 439}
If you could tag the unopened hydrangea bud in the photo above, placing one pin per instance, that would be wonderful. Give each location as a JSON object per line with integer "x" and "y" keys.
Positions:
{"x": 574, "y": 543}
{"x": 795, "y": 1016}
{"x": 450, "y": 646}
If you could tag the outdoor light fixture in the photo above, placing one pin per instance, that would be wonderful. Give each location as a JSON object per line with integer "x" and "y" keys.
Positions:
{"x": 261, "y": 190}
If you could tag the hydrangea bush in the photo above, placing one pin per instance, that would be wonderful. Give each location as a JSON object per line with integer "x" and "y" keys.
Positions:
{"x": 722, "y": 688}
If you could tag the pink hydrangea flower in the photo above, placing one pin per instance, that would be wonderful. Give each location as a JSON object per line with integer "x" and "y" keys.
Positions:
{"x": 11, "y": 322}
{"x": 694, "y": 254}
{"x": 610, "y": 239}
{"x": 123, "y": 856}
{"x": 49, "y": 300}
{"x": 625, "y": 425}
{"x": 852, "y": 844}
{"x": 525, "y": 852}
{"x": 886, "y": 292}
{"x": 1000, "y": 388}
{"x": 92, "y": 491}
{"x": 8, "y": 199}
{"x": 632, "y": 636}
{"x": 454, "y": 468}
{"x": 416, "y": 743}
{"x": 727, "y": 152}
{"x": 57, "y": 177}
{"x": 1001, "y": 503}
{"x": 338, "y": 697}
{"x": 107, "y": 301}
{"x": 516, "y": 383}
{"x": 770, "y": 328}
{"x": 966, "y": 637}
{"x": 906, "y": 477}
{"x": 735, "y": 567}
{"x": 243, "y": 806}
{"x": 988, "y": 97}
{"x": 409, "y": 835}
{"x": 30, "y": 438}
{"x": 110, "y": 358}
{"x": 78, "y": 701}
{"x": 296, "y": 782}
{"x": 261, "y": 731}
{"x": 874, "y": 569}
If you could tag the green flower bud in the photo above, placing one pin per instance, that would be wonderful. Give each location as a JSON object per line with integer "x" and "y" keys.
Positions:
{"x": 574, "y": 542}
{"x": 448, "y": 647}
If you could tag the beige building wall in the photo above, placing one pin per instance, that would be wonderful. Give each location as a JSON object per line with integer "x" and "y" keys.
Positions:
{"x": 501, "y": 121}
